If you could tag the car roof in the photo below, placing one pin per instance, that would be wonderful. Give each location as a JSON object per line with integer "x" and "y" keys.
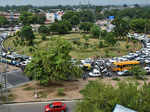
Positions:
{"x": 57, "y": 103}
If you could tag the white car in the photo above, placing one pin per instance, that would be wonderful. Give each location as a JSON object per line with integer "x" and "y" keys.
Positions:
{"x": 121, "y": 73}
{"x": 94, "y": 73}
{"x": 147, "y": 61}
{"x": 147, "y": 69}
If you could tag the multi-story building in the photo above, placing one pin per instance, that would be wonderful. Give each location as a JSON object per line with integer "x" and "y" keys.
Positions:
{"x": 11, "y": 16}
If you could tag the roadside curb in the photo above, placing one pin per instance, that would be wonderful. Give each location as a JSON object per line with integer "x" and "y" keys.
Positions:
{"x": 40, "y": 101}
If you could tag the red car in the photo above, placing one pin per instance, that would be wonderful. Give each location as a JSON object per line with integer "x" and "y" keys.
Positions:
{"x": 55, "y": 107}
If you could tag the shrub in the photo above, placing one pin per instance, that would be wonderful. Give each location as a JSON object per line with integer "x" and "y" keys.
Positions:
{"x": 43, "y": 37}
{"x": 100, "y": 97}
{"x": 60, "y": 92}
{"x": 28, "y": 88}
{"x": 116, "y": 79}
{"x": 101, "y": 44}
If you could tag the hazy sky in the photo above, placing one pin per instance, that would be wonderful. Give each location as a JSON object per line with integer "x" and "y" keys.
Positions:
{"x": 70, "y": 2}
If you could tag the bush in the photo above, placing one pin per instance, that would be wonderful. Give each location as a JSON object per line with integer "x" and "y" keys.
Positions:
{"x": 138, "y": 72}
{"x": 43, "y": 37}
{"x": 101, "y": 44}
{"x": 60, "y": 92}
{"x": 116, "y": 79}
{"x": 31, "y": 49}
{"x": 100, "y": 97}
{"x": 28, "y": 88}
{"x": 127, "y": 46}
{"x": 43, "y": 94}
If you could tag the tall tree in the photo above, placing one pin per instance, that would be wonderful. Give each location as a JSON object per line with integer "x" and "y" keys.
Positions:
{"x": 95, "y": 31}
{"x": 138, "y": 25}
{"x": 121, "y": 27}
{"x": 61, "y": 27}
{"x": 26, "y": 33}
{"x": 86, "y": 26}
{"x": 87, "y": 16}
{"x": 53, "y": 64}
{"x": 3, "y": 21}
{"x": 110, "y": 38}
{"x": 26, "y": 18}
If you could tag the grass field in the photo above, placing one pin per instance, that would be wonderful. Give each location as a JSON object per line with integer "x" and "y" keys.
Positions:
{"x": 79, "y": 50}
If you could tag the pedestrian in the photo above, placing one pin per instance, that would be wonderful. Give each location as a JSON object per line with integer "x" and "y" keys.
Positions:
{"x": 84, "y": 77}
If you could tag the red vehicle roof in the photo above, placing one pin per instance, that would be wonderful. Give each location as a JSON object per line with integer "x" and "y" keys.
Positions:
{"x": 57, "y": 103}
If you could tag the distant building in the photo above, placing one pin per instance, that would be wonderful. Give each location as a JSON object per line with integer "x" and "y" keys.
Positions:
{"x": 10, "y": 16}
{"x": 51, "y": 17}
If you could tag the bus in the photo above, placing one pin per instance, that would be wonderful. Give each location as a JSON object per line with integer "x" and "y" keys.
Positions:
{"x": 124, "y": 65}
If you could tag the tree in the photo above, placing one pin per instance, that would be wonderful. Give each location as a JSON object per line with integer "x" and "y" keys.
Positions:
{"x": 69, "y": 14}
{"x": 74, "y": 20}
{"x": 53, "y": 64}
{"x": 100, "y": 97}
{"x": 138, "y": 25}
{"x": 26, "y": 33}
{"x": 138, "y": 72}
{"x": 38, "y": 19}
{"x": 121, "y": 27}
{"x": 95, "y": 31}
{"x": 85, "y": 26}
{"x": 43, "y": 29}
{"x": 110, "y": 38}
{"x": 26, "y": 18}
{"x": 72, "y": 16}
{"x": 87, "y": 16}
{"x": 3, "y": 21}
{"x": 61, "y": 27}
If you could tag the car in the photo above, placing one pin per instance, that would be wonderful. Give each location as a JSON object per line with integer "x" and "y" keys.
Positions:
{"x": 56, "y": 107}
{"x": 123, "y": 73}
{"x": 147, "y": 69}
{"x": 94, "y": 73}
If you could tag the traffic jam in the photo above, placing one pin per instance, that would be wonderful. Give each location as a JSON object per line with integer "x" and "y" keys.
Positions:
{"x": 93, "y": 67}
{"x": 12, "y": 58}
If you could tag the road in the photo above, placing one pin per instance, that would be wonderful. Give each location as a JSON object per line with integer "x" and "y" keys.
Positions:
{"x": 33, "y": 107}
{"x": 14, "y": 78}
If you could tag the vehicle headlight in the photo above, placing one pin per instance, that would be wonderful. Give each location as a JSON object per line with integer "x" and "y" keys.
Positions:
{"x": 47, "y": 109}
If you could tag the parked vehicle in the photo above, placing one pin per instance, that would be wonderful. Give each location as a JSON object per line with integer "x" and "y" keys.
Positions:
{"x": 94, "y": 73}
{"x": 124, "y": 65}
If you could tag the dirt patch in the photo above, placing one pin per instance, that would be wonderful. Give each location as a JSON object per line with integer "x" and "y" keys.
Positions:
{"x": 71, "y": 89}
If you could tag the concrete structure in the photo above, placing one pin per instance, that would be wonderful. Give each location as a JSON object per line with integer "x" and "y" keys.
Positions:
{"x": 51, "y": 17}
{"x": 10, "y": 16}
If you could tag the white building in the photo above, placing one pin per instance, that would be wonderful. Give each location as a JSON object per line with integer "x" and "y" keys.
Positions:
{"x": 51, "y": 17}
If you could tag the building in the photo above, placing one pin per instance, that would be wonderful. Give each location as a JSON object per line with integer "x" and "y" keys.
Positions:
{"x": 51, "y": 17}
{"x": 10, "y": 15}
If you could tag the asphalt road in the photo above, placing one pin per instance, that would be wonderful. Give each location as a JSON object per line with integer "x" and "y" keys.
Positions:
{"x": 33, "y": 107}
{"x": 14, "y": 78}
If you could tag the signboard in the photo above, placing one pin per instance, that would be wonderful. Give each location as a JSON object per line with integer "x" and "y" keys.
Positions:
{"x": 120, "y": 108}
{"x": 111, "y": 17}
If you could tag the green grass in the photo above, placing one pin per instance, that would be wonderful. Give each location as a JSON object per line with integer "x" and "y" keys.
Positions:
{"x": 79, "y": 50}
{"x": 60, "y": 92}
{"x": 43, "y": 94}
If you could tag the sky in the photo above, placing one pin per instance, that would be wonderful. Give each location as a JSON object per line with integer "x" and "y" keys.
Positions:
{"x": 71, "y": 2}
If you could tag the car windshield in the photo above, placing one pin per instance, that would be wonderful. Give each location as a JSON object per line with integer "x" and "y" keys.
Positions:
{"x": 51, "y": 105}
{"x": 57, "y": 106}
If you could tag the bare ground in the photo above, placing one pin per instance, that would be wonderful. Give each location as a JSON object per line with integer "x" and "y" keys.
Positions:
{"x": 72, "y": 89}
